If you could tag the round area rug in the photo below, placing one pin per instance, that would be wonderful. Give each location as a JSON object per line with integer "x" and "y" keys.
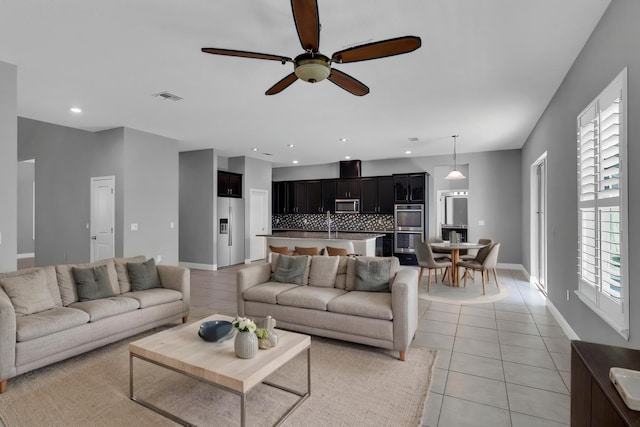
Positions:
{"x": 472, "y": 294}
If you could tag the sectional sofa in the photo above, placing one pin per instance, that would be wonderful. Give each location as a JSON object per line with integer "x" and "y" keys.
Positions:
{"x": 43, "y": 320}
{"x": 367, "y": 300}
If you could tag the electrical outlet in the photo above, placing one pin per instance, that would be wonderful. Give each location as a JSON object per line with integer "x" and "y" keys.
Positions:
{"x": 171, "y": 224}
{"x": 158, "y": 259}
{"x": 567, "y": 294}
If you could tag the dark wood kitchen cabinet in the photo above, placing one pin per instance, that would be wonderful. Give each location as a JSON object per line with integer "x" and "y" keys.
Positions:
{"x": 376, "y": 195}
{"x": 594, "y": 399}
{"x": 348, "y": 188}
{"x": 328, "y": 195}
{"x": 229, "y": 184}
{"x": 409, "y": 188}
{"x": 314, "y": 203}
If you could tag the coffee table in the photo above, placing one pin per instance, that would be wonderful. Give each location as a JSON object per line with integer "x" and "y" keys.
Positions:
{"x": 180, "y": 349}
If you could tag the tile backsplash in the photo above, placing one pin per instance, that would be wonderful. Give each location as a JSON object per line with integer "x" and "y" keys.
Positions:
{"x": 341, "y": 222}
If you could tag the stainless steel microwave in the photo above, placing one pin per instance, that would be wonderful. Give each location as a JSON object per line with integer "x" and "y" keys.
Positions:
{"x": 347, "y": 206}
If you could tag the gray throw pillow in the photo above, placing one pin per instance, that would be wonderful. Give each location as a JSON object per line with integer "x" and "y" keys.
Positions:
{"x": 373, "y": 275}
{"x": 290, "y": 269}
{"x": 92, "y": 283}
{"x": 143, "y": 275}
{"x": 28, "y": 292}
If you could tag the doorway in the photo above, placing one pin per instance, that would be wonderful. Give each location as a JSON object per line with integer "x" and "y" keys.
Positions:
{"x": 102, "y": 243}
{"x": 259, "y": 222}
{"x": 539, "y": 222}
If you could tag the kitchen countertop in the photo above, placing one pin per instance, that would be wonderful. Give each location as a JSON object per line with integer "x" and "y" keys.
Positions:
{"x": 323, "y": 235}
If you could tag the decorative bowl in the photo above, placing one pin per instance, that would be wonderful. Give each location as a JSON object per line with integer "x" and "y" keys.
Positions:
{"x": 215, "y": 330}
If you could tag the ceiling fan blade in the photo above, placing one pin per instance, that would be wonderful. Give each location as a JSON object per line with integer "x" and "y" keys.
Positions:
{"x": 305, "y": 16}
{"x": 243, "y": 54}
{"x": 282, "y": 84}
{"x": 348, "y": 83}
{"x": 376, "y": 50}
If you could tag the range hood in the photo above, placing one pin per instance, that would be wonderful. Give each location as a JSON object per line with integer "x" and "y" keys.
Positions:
{"x": 350, "y": 169}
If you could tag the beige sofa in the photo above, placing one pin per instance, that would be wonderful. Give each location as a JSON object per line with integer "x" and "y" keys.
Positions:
{"x": 50, "y": 332}
{"x": 329, "y": 303}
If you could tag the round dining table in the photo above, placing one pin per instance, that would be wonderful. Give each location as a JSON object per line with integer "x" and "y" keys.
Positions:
{"x": 454, "y": 249}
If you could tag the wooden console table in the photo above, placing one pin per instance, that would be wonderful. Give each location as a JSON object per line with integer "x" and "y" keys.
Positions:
{"x": 594, "y": 399}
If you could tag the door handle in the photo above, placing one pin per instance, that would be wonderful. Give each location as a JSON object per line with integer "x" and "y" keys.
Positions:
{"x": 94, "y": 238}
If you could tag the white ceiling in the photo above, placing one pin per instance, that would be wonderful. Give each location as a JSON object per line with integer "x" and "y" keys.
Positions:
{"x": 486, "y": 70}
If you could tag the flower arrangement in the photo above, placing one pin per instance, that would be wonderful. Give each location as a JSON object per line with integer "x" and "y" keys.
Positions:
{"x": 262, "y": 333}
{"x": 244, "y": 324}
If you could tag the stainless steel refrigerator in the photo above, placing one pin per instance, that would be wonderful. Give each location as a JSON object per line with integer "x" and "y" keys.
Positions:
{"x": 230, "y": 231}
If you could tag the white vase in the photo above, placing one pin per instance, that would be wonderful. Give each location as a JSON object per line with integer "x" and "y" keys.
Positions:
{"x": 246, "y": 345}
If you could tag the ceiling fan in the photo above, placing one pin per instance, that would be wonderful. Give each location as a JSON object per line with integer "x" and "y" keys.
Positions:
{"x": 312, "y": 66}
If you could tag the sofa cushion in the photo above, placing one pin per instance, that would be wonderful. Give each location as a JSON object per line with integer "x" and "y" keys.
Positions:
{"x": 124, "y": 282}
{"x": 290, "y": 269}
{"x": 274, "y": 262}
{"x": 331, "y": 251}
{"x": 155, "y": 296}
{"x": 300, "y": 250}
{"x": 376, "y": 305}
{"x": 312, "y": 297}
{"x": 28, "y": 292}
{"x": 373, "y": 275}
{"x": 67, "y": 283}
{"x": 280, "y": 249}
{"x": 341, "y": 273}
{"x": 350, "y": 275}
{"x": 267, "y": 292}
{"x": 92, "y": 283}
{"x": 323, "y": 271}
{"x": 106, "y": 307}
{"x": 48, "y": 322}
{"x": 143, "y": 275}
{"x": 52, "y": 280}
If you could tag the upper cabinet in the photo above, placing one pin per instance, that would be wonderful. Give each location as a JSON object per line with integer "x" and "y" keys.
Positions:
{"x": 376, "y": 195}
{"x": 229, "y": 184}
{"x": 348, "y": 188}
{"x": 409, "y": 188}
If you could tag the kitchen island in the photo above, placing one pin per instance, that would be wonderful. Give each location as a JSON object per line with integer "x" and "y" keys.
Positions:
{"x": 361, "y": 243}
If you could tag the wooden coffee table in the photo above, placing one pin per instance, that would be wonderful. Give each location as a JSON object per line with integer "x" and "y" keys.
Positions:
{"x": 180, "y": 349}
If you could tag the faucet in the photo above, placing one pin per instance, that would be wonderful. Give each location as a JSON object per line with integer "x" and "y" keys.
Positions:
{"x": 329, "y": 223}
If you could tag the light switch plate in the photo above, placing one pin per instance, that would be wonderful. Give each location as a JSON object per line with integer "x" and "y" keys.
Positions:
{"x": 481, "y": 222}
{"x": 134, "y": 227}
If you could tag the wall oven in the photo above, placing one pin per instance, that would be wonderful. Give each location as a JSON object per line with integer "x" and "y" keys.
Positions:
{"x": 409, "y": 228}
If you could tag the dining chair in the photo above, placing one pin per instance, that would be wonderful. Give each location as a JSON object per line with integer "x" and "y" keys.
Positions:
{"x": 426, "y": 260}
{"x": 439, "y": 254}
{"x": 480, "y": 255}
{"x": 487, "y": 265}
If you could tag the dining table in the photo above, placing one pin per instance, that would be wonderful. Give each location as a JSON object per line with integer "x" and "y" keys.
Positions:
{"x": 454, "y": 249}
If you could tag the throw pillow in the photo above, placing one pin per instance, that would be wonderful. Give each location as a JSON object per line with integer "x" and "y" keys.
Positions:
{"x": 143, "y": 275}
{"x": 306, "y": 251}
{"x": 336, "y": 251}
{"x": 92, "y": 283}
{"x": 373, "y": 275}
{"x": 323, "y": 271}
{"x": 28, "y": 292}
{"x": 290, "y": 269}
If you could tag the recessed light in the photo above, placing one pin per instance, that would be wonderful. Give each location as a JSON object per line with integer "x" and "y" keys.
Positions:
{"x": 254, "y": 149}
{"x": 407, "y": 152}
{"x": 347, "y": 157}
{"x": 295, "y": 162}
{"x": 290, "y": 145}
{"x": 75, "y": 110}
{"x": 343, "y": 139}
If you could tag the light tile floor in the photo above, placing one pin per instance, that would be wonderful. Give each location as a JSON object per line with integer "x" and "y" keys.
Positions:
{"x": 500, "y": 364}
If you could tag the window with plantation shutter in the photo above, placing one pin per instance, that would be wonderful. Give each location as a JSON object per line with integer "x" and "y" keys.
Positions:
{"x": 602, "y": 200}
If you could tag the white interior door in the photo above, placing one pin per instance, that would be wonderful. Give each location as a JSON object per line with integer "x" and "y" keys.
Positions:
{"x": 538, "y": 233}
{"x": 102, "y": 224}
{"x": 259, "y": 222}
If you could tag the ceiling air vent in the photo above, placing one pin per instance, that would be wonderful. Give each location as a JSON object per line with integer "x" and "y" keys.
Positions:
{"x": 414, "y": 139}
{"x": 167, "y": 95}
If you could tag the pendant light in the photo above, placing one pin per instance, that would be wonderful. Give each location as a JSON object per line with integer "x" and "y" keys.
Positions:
{"x": 455, "y": 173}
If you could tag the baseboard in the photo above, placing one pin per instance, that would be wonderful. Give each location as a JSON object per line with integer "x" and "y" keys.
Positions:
{"x": 508, "y": 266}
{"x": 566, "y": 328}
{"x": 196, "y": 266}
{"x": 28, "y": 255}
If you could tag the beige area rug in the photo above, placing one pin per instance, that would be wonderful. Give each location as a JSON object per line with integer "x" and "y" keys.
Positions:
{"x": 472, "y": 294}
{"x": 351, "y": 385}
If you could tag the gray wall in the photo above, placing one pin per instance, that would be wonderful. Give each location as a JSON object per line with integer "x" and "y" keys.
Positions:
{"x": 8, "y": 166}
{"x": 26, "y": 179}
{"x": 151, "y": 196}
{"x": 197, "y": 216}
{"x": 494, "y": 181}
{"x": 145, "y": 167}
{"x": 611, "y": 47}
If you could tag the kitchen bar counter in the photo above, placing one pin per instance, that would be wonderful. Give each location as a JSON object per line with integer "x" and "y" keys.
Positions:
{"x": 362, "y": 243}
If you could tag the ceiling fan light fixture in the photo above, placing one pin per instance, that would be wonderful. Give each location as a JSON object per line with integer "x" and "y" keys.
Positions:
{"x": 312, "y": 68}
{"x": 455, "y": 173}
